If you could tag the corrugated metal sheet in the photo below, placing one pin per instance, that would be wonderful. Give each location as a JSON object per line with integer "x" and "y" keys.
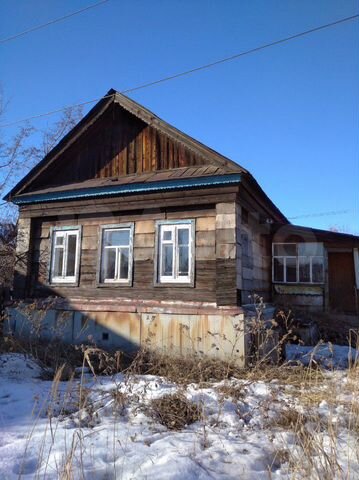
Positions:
{"x": 128, "y": 189}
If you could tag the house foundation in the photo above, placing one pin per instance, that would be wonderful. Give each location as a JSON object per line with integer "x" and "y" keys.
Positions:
{"x": 168, "y": 327}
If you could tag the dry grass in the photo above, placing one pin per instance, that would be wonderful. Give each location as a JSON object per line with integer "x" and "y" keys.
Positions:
{"x": 292, "y": 419}
{"x": 51, "y": 356}
{"x": 183, "y": 370}
{"x": 231, "y": 390}
{"x": 174, "y": 411}
{"x": 120, "y": 401}
{"x": 313, "y": 453}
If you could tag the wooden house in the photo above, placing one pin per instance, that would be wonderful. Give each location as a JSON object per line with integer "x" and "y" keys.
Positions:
{"x": 140, "y": 234}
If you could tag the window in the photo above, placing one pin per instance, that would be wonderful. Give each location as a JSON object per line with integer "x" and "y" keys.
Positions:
{"x": 116, "y": 254}
{"x": 65, "y": 255}
{"x": 298, "y": 262}
{"x": 175, "y": 256}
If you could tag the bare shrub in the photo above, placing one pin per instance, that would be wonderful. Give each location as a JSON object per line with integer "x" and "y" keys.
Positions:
{"x": 8, "y": 231}
{"x": 56, "y": 356}
{"x": 180, "y": 369}
{"x": 120, "y": 401}
{"x": 102, "y": 362}
{"x": 51, "y": 356}
{"x": 174, "y": 411}
{"x": 267, "y": 337}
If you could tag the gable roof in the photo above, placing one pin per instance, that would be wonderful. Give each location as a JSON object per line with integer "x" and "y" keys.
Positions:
{"x": 225, "y": 165}
{"x": 114, "y": 97}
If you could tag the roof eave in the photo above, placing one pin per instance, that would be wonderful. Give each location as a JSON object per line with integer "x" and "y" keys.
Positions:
{"x": 129, "y": 189}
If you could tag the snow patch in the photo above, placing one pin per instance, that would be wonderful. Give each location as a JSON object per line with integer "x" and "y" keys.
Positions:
{"x": 326, "y": 355}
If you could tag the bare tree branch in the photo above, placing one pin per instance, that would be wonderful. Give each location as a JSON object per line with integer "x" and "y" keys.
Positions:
{"x": 28, "y": 146}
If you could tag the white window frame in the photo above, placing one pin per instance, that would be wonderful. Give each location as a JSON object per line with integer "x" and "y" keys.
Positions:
{"x": 116, "y": 281}
{"x": 175, "y": 278}
{"x": 296, "y": 257}
{"x": 65, "y": 232}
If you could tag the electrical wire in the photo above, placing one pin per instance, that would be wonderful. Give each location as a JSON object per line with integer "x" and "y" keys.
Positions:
{"x": 188, "y": 72}
{"x": 51, "y": 22}
{"x": 321, "y": 214}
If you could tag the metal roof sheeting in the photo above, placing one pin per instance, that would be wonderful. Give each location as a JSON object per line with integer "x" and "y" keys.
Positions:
{"x": 128, "y": 189}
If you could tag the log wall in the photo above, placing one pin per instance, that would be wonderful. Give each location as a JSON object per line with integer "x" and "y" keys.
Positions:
{"x": 144, "y": 252}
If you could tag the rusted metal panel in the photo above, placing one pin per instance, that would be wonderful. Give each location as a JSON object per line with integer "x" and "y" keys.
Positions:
{"x": 123, "y": 325}
{"x": 220, "y": 336}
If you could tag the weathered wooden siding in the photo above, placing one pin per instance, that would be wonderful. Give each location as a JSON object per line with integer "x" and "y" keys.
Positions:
{"x": 338, "y": 291}
{"x": 256, "y": 261}
{"x": 227, "y": 252}
{"x": 117, "y": 144}
{"x": 185, "y": 201}
{"x": 144, "y": 251}
{"x": 307, "y": 297}
{"x": 23, "y": 256}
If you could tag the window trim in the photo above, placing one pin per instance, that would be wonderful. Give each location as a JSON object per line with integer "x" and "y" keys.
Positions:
{"x": 297, "y": 257}
{"x": 192, "y": 239}
{"x": 115, "y": 283}
{"x": 70, "y": 281}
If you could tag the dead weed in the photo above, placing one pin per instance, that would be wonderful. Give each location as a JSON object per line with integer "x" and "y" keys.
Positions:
{"x": 174, "y": 411}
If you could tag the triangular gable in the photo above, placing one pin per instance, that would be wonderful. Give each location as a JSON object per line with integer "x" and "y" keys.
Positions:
{"x": 107, "y": 143}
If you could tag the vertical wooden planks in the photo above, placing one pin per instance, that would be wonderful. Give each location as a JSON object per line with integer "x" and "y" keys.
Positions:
{"x": 117, "y": 144}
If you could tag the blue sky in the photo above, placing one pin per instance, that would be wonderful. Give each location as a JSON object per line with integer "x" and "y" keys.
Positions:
{"x": 289, "y": 114}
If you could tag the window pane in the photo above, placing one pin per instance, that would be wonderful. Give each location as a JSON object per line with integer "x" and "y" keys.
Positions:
{"x": 310, "y": 249}
{"x": 304, "y": 269}
{"x": 183, "y": 236}
{"x": 124, "y": 256}
{"x": 285, "y": 250}
{"x": 116, "y": 238}
{"x": 317, "y": 270}
{"x": 108, "y": 266}
{"x": 71, "y": 255}
{"x": 291, "y": 269}
{"x": 59, "y": 239}
{"x": 167, "y": 260}
{"x": 58, "y": 259}
{"x": 183, "y": 255}
{"x": 278, "y": 269}
{"x": 167, "y": 235}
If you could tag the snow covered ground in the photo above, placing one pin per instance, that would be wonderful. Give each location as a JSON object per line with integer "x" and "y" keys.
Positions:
{"x": 250, "y": 428}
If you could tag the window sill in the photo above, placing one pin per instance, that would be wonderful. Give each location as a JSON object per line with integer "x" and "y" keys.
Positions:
{"x": 114, "y": 284}
{"x": 174, "y": 284}
{"x": 63, "y": 284}
{"x": 300, "y": 284}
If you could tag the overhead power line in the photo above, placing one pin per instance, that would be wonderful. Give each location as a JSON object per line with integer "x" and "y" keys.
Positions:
{"x": 321, "y": 214}
{"x": 193, "y": 70}
{"x": 51, "y": 22}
